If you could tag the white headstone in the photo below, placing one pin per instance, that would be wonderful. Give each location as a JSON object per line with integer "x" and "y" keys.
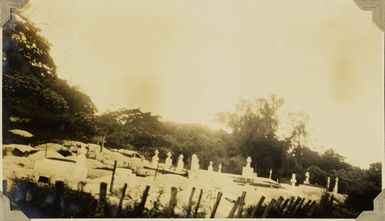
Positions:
{"x": 248, "y": 162}
{"x": 248, "y": 171}
{"x": 328, "y": 183}
{"x": 335, "y": 188}
{"x": 194, "y": 163}
{"x": 180, "y": 164}
{"x": 307, "y": 177}
{"x": 155, "y": 159}
{"x": 270, "y": 173}
{"x": 220, "y": 168}
{"x": 293, "y": 180}
{"x": 210, "y": 168}
{"x": 168, "y": 161}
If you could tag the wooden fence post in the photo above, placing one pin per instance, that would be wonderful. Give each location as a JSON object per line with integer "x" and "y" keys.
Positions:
{"x": 189, "y": 204}
{"x": 122, "y": 198}
{"x": 113, "y": 177}
{"x": 331, "y": 202}
{"x": 290, "y": 204}
{"x": 235, "y": 206}
{"x": 102, "y": 197}
{"x": 81, "y": 185}
{"x": 282, "y": 208}
{"x": 311, "y": 209}
{"x": 256, "y": 208}
{"x": 241, "y": 203}
{"x": 299, "y": 206}
{"x": 198, "y": 202}
{"x": 219, "y": 196}
{"x": 306, "y": 206}
{"x": 279, "y": 202}
{"x": 172, "y": 203}
{"x": 59, "y": 191}
{"x": 292, "y": 208}
{"x": 142, "y": 203}
{"x": 267, "y": 209}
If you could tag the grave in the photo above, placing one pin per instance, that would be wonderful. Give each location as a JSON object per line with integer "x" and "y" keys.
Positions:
{"x": 210, "y": 167}
{"x": 293, "y": 180}
{"x": 307, "y": 177}
{"x": 220, "y": 168}
{"x": 69, "y": 170}
{"x": 168, "y": 161}
{"x": 180, "y": 164}
{"x": 335, "y": 188}
{"x": 123, "y": 172}
{"x": 270, "y": 173}
{"x": 194, "y": 167}
{"x": 155, "y": 159}
{"x": 194, "y": 163}
{"x": 248, "y": 171}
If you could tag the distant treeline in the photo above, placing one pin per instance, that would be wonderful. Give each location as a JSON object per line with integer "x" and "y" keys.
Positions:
{"x": 36, "y": 99}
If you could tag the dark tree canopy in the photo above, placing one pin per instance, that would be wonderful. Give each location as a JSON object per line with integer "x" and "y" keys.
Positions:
{"x": 131, "y": 128}
{"x": 32, "y": 90}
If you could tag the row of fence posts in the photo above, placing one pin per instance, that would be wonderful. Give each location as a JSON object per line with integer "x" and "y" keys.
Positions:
{"x": 172, "y": 202}
{"x": 292, "y": 207}
{"x": 140, "y": 207}
{"x": 280, "y": 207}
{"x": 276, "y": 207}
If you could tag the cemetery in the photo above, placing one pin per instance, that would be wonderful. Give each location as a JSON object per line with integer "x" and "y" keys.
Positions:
{"x": 110, "y": 175}
{"x": 191, "y": 114}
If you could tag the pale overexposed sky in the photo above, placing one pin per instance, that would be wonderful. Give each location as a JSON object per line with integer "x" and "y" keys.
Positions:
{"x": 187, "y": 60}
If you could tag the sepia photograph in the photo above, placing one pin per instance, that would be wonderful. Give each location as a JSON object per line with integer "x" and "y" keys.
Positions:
{"x": 192, "y": 109}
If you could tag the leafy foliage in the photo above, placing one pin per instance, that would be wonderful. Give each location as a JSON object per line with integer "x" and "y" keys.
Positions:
{"x": 126, "y": 128}
{"x": 32, "y": 89}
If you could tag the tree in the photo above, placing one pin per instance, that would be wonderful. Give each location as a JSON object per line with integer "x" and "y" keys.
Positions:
{"x": 254, "y": 127}
{"x": 253, "y": 118}
{"x": 332, "y": 161}
{"x": 32, "y": 89}
{"x": 126, "y": 128}
{"x": 299, "y": 132}
{"x": 362, "y": 186}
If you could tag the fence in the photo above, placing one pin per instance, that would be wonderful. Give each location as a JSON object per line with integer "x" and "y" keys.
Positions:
{"x": 46, "y": 200}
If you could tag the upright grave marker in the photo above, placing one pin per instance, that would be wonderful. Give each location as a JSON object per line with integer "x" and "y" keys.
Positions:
{"x": 307, "y": 177}
{"x": 248, "y": 171}
{"x": 180, "y": 164}
{"x": 210, "y": 167}
{"x": 270, "y": 173}
{"x": 155, "y": 159}
{"x": 194, "y": 163}
{"x": 220, "y": 168}
{"x": 168, "y": 161}
{"x": 335, "y": 188}
{"x": 293, "y": 180}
